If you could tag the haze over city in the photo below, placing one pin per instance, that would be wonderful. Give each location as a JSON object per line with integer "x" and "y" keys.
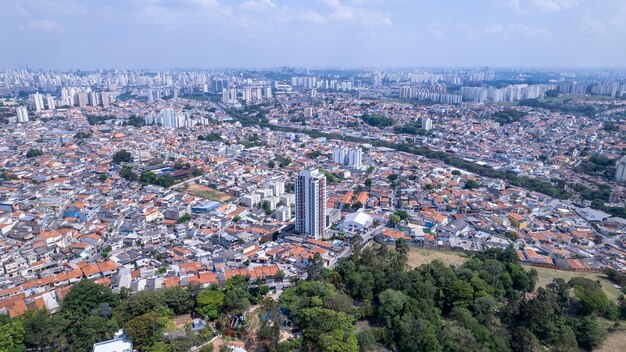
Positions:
{"x": 63, "y": 34}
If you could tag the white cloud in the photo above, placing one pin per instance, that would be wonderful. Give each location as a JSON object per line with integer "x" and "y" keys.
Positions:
{"x": 258, "y": 5}
{"x": 357, "y": 15}
{"x": 493, "y": 28}
{"x": 513, "y": 4}
{"x": 42, "y": 26}
{"x": 593, "y": 26}
{"x": 554, "y": 5}
{"x": 435, "y": 29}
{"x": 171, "y": 12}
{"x": 531, "y": 32}
{"x": 310, "y": 16}
{"x": 527, "y": 7}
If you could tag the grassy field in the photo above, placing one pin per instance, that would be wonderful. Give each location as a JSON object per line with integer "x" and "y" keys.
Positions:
{"x": 208, "y": 193}
{"x": 547, "y": 275}
{"x": 616, "y": 340}
{"x": 421, "y": 256}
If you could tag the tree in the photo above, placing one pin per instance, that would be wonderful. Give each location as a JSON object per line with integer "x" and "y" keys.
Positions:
{"x": 122, "y": 156}
{"x": 102, "y": 177}
{"x": 271, "y": 164}
{"x": 327, "y": 330}
{"x": 456, "y": 172}
{"x": 83, "y": 298}
{"x": 82, "y": 135}
{"x": 511, "y": 235}
{"x": 33, "y": 153}
{"x": 471, "y": 184}
{"x": 589, "y": 334}
{"x": 128, "y": 174}
{"x": 91, "y": 330}
{"x": 368, "y": 182}
{"x": 552, "y": 93}
{"x": 280, "y": 275}
{"x": 315, "y": 268}
{"x": 266, "y": 207}
{"x": 11, "y": 334}
{"x": 598, "y": 239}
{"x": 236, "y": 296}
{"x": 184, "y": 219}
{"x": 391, "y": 306}
{"x": 43, "y": 331}
{"x": 144, "y": 330}
{"x": 394, "y": 219}
{"x": 210, "y": 302}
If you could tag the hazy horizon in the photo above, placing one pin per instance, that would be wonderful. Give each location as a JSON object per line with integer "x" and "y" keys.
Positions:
{"x": 261, "y": 34}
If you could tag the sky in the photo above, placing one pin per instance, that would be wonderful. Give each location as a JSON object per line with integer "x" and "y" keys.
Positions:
{"x": 94, "y": 34}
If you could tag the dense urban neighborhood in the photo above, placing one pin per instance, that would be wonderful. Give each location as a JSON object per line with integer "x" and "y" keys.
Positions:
{"x": 217, "y": 208}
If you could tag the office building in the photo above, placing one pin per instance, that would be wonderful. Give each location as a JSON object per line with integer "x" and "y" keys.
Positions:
{"x": 310, "y": 187}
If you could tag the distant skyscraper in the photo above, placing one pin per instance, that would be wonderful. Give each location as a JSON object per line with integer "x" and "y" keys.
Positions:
{"x": 218, "y": 85}
{"x": 93, "y": 99}
{"x": 38, "y": 101}
{"x": 50, "y": 102}
{"x": 310, "y": 187}
{"x": 340, "y": 155}
{"x": 355, "y": 155}
{"x": 168, "y": 118}
{"x": 427, "y": 124}
{"x": 620, "y": 173}
{"x": 82, "y": 99}
{"x": 22, "y": 114}
{"x": 104, "y": 99}
{"x": 308, "y": 112}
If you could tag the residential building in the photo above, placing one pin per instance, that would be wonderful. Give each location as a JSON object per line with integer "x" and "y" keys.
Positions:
{"x": 310, "y": 187}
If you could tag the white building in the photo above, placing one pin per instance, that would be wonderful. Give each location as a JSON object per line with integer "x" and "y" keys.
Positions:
{"x": 50, "y": 102}
{"x": 288, "y": 199}
{"x": 272, "y": 201}
{"x": 283, "y": 213}
{"x": 251, "y": 200}
{"x": 118, "y": 344}
{"x": 310, "y": 189}
{"x": 356, "y": 222}
{"x": 620, "y": 173}
{"x": 278, "y": 188}
{"x": 355, "y": 158}
{"x": 427, "y": 124}
{"x": 22, "y": 114}
{"x": 38, "y": 101}
{"x": 340, "y": 155}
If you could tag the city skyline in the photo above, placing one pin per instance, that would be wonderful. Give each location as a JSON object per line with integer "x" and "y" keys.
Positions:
{"x": 332, "y": 33}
